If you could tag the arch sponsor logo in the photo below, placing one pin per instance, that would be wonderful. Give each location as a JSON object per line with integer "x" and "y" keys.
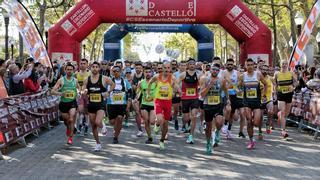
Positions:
{"x": 152, "y": 9}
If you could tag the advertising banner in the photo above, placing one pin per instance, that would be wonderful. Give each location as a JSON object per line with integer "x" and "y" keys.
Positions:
{"x": 28, "y": 30}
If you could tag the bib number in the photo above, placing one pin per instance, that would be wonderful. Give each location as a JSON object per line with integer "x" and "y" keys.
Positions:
{"x": 240, "y": 94}
{"x": 285, "y": 89}
{"x": 164, "y": 91}
{"x": 118, "y": 98}
{"x": 190, "y": 91}
{"x": 252, "y": 93}
{"x": 96, "y": 98}
{"x": 69, "y": 95}
{"x": 213, "y": 100}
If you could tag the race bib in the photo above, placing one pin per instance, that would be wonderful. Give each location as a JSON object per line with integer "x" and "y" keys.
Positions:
{"x": 213, "y": 100}
{"x": 285, "y": 89}
{"x": 95, "y": 98}
{"x": 190, "y": 91}
{"x": 240, "y": 94}
{"x": 251, "y": 93}
{"x": 69, "y": 95}
{"x": 118, "y": 98}
{"x": 164, "y": 91}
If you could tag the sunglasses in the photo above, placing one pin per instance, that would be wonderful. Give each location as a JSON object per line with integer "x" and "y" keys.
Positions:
{"x": 115, "y": 71}
{"x": 159, "y": 68}
{"x": 103, "y": 64}
{"x": 229, "y": 64}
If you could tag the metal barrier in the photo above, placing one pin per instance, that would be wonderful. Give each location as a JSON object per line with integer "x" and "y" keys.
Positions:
{"x": 26, "y": 114}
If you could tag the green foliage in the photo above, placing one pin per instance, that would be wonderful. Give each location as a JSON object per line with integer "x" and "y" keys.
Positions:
{"x": 184, "y": 42}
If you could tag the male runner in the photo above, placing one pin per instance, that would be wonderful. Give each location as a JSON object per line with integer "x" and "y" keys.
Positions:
{"x": 166, "y": 85}
{"x": 211, "y": 88}
{"x": 190, "y": 96}
{"x": 250, "y": 82}
{"x": 66, "y": 87}
{"x": 95, "y": 87}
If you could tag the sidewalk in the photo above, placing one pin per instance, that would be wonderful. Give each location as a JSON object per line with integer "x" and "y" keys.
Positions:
{"x": 48, "y": 157}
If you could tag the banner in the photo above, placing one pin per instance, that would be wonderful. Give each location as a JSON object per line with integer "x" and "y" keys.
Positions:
{"x": 28, "y": 30}
{"x": 305, "y": 36}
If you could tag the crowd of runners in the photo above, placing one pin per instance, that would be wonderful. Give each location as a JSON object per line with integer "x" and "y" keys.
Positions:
{"x": 214, "y": 94}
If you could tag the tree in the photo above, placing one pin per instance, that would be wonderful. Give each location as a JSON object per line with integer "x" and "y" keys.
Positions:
{"x": 184, "y": 43}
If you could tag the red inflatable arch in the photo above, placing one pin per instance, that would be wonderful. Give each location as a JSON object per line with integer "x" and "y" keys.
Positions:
{"x": 66, "y": 35}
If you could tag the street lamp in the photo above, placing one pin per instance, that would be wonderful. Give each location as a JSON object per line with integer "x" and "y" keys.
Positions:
{"x": 47, "y": 26}
{"x": 84, "y": 42}
{"x": 12, "y": 42}
{"x": 318, "y": 41}
{"x": 6, "y": 23}
{"x": 298, "y": 19}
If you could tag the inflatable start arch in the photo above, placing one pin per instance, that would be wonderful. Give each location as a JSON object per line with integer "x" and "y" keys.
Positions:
{"x": 200, "y": 32}
{"x": 254, "y": 36}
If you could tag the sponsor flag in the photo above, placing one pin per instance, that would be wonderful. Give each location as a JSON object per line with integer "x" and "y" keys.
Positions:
{"x": 304, "y": 38}
{"x": 28, "y": 30}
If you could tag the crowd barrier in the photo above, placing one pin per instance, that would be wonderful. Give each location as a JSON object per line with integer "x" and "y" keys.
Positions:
{"x": 305, "y": 111}
{"x": 25, "y": 114}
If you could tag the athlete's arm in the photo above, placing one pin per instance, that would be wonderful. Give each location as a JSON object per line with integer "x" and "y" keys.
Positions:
{"x": 154, "y": 79}
{"x": 240, "y": 80}
{"x": 225, "y": 88}
{"x": 181, "y": 77}
{"x": 295, "y": 80}
{"x": 264, "y": 82}
{"x": 84, "y": 89}
{"x": 138, "y": 91}
{"x": 108, "y": 81}
{"x": 203, "y": 89}
{"x": 175, "y": 85}
{"x": 56, "y": 88}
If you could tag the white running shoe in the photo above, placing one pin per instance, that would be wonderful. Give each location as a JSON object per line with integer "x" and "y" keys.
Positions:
{"x": 104, "y": 130}
{"x": 213, "y": 136}
{"x": 228, "y": 134}
{"x": 224, "y": 129}
{"x": 98, "y": 148}
{"x": 139, "y": 134}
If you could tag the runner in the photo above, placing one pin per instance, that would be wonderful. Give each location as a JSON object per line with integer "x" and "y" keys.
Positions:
{"x": 190, "y": 96}
{"x": 163, "y": 99}
{"x": 285, "y": 84}
{"x": 82, "y": 115}
{"x": 137, "y": 77}
{"x": 232, "y": 76}
{"x": 205, "y": 72}
{"x": 211, "y": 89}
{"x": 268, "y": 105}
{"x": 94, "y": 87}
{"x": 250, "y": 82}
{"x": 117, "y": 102}
{"x": 176, "y": 100}
{"x": 147, "y": 104}
{"x": 66, "y": 87}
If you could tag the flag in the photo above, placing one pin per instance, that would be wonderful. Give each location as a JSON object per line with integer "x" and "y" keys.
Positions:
{"x": 304, "y": 38}
{"x": 27, "y": 28}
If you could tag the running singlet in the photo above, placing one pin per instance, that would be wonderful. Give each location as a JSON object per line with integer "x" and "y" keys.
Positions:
{"x": 69, "y": 90}
{"x": 95, "y": 90}
{"x": 144, "y": 87}
{"x": 285, "y": 82}
{"x": 119, "y": 94}
{"x": 81, "y": 77}
{"x": 269, "y": 90}
{"x": 234, "y": 79}
{"x": 190, "y": 86}
{"x": 163, "y": 90}
{"x": 213, "y": 97}
{"x": 252, "y": 93}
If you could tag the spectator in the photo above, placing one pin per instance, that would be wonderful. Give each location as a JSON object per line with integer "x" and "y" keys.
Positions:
{"x": 55, "y": 74}
{"x": 32, "y": 84}
{"x": 2, "y": 63}
{"x": 4, "y": 77}
{"x": 104, "y": 68}
{"x": 16, "y": 77}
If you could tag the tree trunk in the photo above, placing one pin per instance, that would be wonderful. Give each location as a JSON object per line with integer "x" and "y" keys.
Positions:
{"x": 20, "y": 48}
{"x": 42, "y": 12}
{"x": 94, "y": 43}
{"x": 292, "y": 23}
{"x": 275, "y": 35}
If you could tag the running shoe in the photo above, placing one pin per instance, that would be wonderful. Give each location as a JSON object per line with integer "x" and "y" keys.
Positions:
{"x": 126, "y": 123}
{"x": 242, "y": 135}
{"x": 224, "y": 129}
{"x": 268, "y": 130}
{"x": 104, "y": 130}
{"x": 156, "y": 129}
{"x": 98, "y": 148}
{"x": 161, "y": 145}
{"x": 139, "y": 134}
{"x": 105, "y": 120}
{"x": 284, "y": 134}
{"x": 228, "y": 134}
{"x": 250, "y": 145}
{"x": 176, "y": 124}
{"x": 260, "y": 136}
{"x": 209, "y": 148}
{"x": 190, "y": 139}
{"x": 149, "y": 141}
{"x": 70, "y": 141}
{"x": 86, "y": 128}
{"x": 201, "y": 129}
{"x": 115, "y": 140}
{"x": 217, "y": 137}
